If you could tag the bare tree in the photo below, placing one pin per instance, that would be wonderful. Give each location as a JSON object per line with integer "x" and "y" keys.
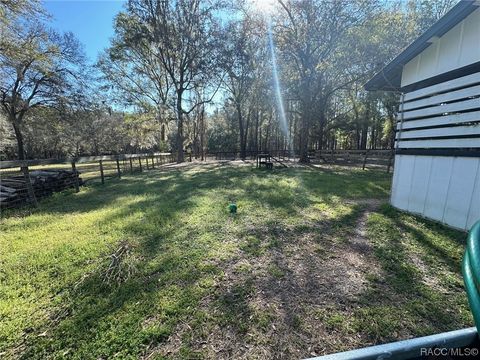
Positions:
{"x": 37, "y": 67}
{"x": 184, "y": 33}
{"x": 310, "y": 34}
{"x": 11, "y": 10}
{"x": 132, "y": 69}
{"x": 243, "y": 58}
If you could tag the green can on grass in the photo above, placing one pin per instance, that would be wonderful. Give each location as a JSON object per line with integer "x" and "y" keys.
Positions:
{"x": 232, "y": 208}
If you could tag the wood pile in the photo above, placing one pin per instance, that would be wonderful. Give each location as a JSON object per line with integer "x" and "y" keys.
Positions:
{"x": 14, "y": 192}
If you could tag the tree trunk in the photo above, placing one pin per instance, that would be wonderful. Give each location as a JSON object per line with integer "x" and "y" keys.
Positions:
{"x": 245, "y": 131}
{"x": 19, "y": 137}
{"x": 304, "y": 137}
{"x": 363, "y": 143}
{"x": 392, "y": 131}
{"x": 202, "y": 133}
{"x": 259, "y": 140}
{"x": 320, "y": 134}
{"x": 162, "y": 132}
{"x": 243, "y": 145}
{"x": 374, "y": 138}
{"x": 180, "y": 157}
{"x": 243, "y": 149}
{"x": 256, "y": 131}
{"x": 304, "y": 142}
{"x": 365, "y": 129}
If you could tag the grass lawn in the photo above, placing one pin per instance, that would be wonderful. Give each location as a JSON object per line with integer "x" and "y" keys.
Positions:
{"x": 153, "y": 266}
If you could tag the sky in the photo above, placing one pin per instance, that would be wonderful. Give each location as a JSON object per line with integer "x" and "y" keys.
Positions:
{"x": 90, "y": 20}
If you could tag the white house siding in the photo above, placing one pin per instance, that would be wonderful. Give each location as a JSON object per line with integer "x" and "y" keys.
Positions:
{"x": 446, "y": 189}
{"x": 458, "y": 47}
{"x": 437, "y": 120}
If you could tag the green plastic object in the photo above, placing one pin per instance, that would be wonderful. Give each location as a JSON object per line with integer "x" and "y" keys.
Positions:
{"x": 232, "y": 208}
{"x": 471, "y": 271}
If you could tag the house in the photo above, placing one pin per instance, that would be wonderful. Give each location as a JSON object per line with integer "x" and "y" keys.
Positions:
{"x": 437, "y": 148}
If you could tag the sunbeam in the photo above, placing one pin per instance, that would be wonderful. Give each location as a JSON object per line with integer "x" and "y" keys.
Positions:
{"x": 278, "y": 93}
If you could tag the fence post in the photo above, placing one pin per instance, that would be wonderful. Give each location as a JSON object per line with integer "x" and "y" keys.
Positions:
{"x": 101, "y": 172}
{"x": 31, "y": 193}
{"x": 140, "y": 162}
{"x": 390, "y": 158}
{"x": 75, "y": 174}
{"x": 153, "y": 161}
{"x": 146, "y": 159}
{"x": 131, "y": 166}
{"x": 118, "y": 169}
{"x": 365, "y": 160}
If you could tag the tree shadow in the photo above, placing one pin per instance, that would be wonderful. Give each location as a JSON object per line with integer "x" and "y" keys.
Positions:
{"x": 415, "y": 294}
{"x": 175, "y": 260}
{"x": 286, "y": 274}
{"x": 395, "y": 302}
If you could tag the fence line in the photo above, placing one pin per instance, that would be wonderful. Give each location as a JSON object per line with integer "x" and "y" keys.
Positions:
{"x": 363, "y": 158}
{"x": 249, "y": 154}
{"x": 81, "y": 159}
{"x": 357, "y": 157}
{"x": 23, "y": 181}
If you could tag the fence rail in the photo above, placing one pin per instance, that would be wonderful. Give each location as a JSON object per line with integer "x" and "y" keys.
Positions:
{"x": 250, "y": 154}
{"x": 364, "y": 158}
{"x": 82, "y": 159}
{"x": 23, "y": 181}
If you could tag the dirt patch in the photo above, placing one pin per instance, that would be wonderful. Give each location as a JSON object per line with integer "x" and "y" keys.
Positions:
{"x": 269, "y": 306}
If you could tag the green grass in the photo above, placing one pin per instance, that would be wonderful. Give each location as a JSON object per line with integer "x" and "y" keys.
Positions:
{"x": 416, "y": 290}
{"x": 204, "y": 283}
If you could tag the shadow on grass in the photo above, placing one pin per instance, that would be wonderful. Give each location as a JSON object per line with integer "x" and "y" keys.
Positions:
{"x": 178, "y": 184}
{"x": 175, "y": 271}
{"x": 412, "y": 296}
{"x": 284, "y": 273}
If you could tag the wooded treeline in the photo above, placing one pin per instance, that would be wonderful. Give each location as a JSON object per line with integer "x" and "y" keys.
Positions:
{"x": 197, "y": 76}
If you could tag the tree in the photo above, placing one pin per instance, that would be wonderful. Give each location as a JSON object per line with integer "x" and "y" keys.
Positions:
{"x": 310, "y": 35}
{"x": 241, "y": 57}
{"x": 133, "y": 72}
{"x": 38, "y": 67}
{"x": 424, "y": 13}
{"x": 168, "y": 58}
{"x": 185, "y": 34}
{"x": 11, "y": 10}
{"x": 7, "y": 143}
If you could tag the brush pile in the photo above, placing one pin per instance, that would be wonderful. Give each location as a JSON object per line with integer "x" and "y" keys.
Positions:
{"x": 122, "y": 264}
{"x": 14, "y": 192}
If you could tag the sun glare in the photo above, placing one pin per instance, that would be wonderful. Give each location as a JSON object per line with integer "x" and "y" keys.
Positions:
{"x": 264, "y": 6}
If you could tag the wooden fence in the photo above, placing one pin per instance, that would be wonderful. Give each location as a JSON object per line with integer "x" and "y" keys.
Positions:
{"x": 25, "y": 180}
{"x": 251, "y": 154}
{"x": 363, "y": 158}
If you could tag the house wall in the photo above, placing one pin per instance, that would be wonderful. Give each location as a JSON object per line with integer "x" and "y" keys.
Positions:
{"x": 442, "y": 188}
{"x": 458, "y": 47}
{"x": 437, "y": 163}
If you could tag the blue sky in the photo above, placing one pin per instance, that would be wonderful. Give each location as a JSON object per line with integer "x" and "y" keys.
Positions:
{"x": 90, "y": 20}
